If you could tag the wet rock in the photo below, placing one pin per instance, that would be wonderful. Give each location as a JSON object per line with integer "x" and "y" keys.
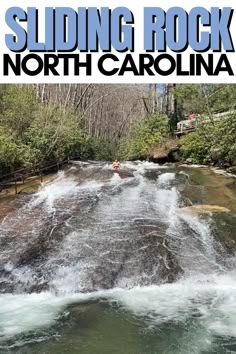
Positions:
{"x": 232, "y": 170}
{"x": 125, "y": 173}
{"x": 152, "y": 175}
{"x": 189, "y": 161}
{"x": 174, "y": 154}
{"x": 203, "y": 209}
{"x": 166, "y": 151}
{"x": 99, "y": 239}
{"x": 223, "y": 164}
{"x": 159, "y": 157}
{"x": 26, "y": 193}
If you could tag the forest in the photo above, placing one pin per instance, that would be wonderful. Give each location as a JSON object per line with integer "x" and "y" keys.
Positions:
{"x": 42, "y": 124}
{"x": 138, "y": 259}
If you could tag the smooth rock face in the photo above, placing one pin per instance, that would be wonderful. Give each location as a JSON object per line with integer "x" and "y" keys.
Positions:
{"x": 93, "y": 240}
{"x": 203, "y": 209}
{"x": 101, "y": 228}
{"x": 165, "y": 152}
{"x": 96, "y": 226}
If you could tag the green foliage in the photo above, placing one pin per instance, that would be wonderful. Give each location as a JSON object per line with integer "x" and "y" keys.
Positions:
{"x": 189, "y": 98}
{"x": 202, "y": 99}
{"x": 54, "y": 135}
{"x": 32, "y": 133}
{"x": 18, "y": 108}
{"x": 98, "y": 149}
{"x": 212, "y": 143}
{"x": 143, "y": 136}
{"x": 196, "y": 147}
{"x": 8, "y": 150}
{"x": 13, "y": 153}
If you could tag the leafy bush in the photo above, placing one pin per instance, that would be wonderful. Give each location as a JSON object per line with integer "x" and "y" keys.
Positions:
{"x": 13, "y": 153}
{"x": 34, "y": 133}
{"x": 211, "y": 143}
{"x": 143, "y": 136}
{"x": 98, "y": 149}
{"x": 196, "y": 147}
{"x": 18, "y": 108}
{"x": 54, "y": 135}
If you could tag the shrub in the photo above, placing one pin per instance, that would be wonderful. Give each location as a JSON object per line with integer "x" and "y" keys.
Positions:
{"x": 211, "y": 143}
{"x": 54, "y": 135}
{"x": 143, "y": 136}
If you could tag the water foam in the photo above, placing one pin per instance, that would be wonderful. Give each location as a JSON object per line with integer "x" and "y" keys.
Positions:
{"x": 24, "y": 313}
{"x": 62, "y": 188}
{"x": 165, "y": 179}
{"x": 205, "y": 294}
{"x": 209, "y": 301}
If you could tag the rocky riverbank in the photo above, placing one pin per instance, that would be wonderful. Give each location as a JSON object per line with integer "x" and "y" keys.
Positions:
{"x": 169, "y": 151}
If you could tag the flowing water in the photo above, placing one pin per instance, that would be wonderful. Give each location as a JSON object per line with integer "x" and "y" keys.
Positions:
{"x": 98, "y": 262}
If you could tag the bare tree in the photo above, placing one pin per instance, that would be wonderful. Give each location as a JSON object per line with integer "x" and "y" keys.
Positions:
{"x": 104, "y": 111}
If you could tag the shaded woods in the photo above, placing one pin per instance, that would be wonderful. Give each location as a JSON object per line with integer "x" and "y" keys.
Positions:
{"x": 42, "y": 124}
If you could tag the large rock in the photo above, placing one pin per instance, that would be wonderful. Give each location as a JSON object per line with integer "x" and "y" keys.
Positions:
{"x": 159, "y": 157}
{"x": 203, "y": 209}
{"x": 232, "y": 170}
{"x": 189, "y": 161}
{"x": 174, "y": 154}
{"x": 166, "y": 151}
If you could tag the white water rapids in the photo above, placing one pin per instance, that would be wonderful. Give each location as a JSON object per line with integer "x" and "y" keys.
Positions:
{"x": 118, "y": 240}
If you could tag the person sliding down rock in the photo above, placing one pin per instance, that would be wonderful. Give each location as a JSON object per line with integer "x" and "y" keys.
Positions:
{"x": 116, "y": 165}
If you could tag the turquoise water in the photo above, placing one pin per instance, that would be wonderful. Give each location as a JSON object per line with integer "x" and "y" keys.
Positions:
{"x": 102, "y": 328}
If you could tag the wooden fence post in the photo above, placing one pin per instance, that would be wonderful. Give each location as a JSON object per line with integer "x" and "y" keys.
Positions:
{"x": 15, "y": 187}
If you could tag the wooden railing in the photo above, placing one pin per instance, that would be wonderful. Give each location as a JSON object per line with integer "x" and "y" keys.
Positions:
{"x": 187, "y": 126}
{"x": 21, "y": 175}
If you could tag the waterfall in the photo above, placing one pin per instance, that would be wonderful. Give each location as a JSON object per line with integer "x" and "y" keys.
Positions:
{"x": 91, "y": 235}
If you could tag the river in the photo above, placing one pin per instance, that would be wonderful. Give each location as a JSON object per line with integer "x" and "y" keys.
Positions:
{"x": 98, "y": 262}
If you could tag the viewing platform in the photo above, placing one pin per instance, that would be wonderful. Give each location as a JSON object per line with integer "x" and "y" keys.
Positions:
{"x": 189, "y": 125}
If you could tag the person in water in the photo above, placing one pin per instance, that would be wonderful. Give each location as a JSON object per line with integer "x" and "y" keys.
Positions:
{"x": 116, "y": 165}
